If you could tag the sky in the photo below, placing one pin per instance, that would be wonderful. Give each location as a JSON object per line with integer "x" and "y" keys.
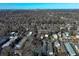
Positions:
{"x": 39, "y": 5}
